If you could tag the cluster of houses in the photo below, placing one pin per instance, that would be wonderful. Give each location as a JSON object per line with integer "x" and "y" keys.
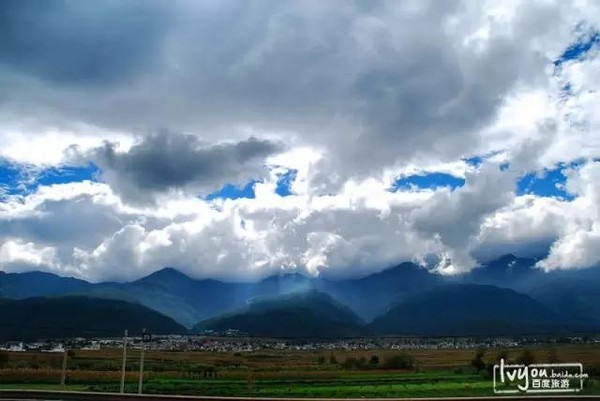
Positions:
{"x": 247, "y": 344}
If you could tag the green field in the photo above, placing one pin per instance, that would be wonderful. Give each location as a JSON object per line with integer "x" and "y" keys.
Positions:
{"x": 349, "y": 386}
{"x": 286, "y": 373}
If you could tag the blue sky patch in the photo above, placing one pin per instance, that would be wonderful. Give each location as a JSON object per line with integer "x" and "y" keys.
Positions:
{"x": 10, "y": 178}
{"x": 19, "y": 179}
{"x": 284, "y": 183}
{"x": 65, "y": 175}
{"x": 579, "y": 49}
{"x": 427, "y": 181}
{"x": 231, "y": 191}
{"x": 547, "y": 182}
{"x": 474, "y": 161}
{"x": 477, "y": 160}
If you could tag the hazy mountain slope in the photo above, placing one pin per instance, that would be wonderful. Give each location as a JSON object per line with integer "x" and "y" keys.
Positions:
{"x": 177, "y": 295}
{"x": 571, "y": 292}
{"x": 577, "y": 298}
{"x": 77, "y": 316}
{"x": 168, "y": 291}
{"x": 370, "y": 296}
{"x": 190, "y": 300}
{"x": 30, "y": 284}
{"x": 157, "y": 299}
{"x": 507, "y": 271}
{"x": 307, "y": 314}
{"x": 468, "y": 309}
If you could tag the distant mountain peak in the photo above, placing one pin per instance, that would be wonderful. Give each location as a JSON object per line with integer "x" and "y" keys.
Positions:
{"x": 286, "y": 276}
{"x": 521, "y": 264}
{"x": 299, "y": 314}
{"x": 36, "y": 273}
{"x": 166, "y": 273}
{"x": 404, "y": 271}
{"x": 509, "y": 257}
{"x": 506, "y": 271}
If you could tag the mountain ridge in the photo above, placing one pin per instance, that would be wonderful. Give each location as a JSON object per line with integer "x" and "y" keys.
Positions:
{"x": 304, "y": 314}
{"x": 468, "y": 309}
{"x": 189, "y": 300}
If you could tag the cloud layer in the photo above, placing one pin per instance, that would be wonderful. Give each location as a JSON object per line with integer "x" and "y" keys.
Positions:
{"x": 174, "y": 101}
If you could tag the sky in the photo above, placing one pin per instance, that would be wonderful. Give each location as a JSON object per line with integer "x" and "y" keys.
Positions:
{"x": 235, "y": 140}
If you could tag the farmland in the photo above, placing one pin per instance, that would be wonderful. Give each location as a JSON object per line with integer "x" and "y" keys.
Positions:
{"x": 337, "y": 373}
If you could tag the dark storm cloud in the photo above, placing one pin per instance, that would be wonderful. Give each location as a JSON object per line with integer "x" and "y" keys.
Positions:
{"x": 80, "y": 42}
{"x": 372, "y": 84}
{"x": 169, "y": 161}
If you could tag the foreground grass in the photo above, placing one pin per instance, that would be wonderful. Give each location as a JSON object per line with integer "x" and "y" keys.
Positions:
{"x": 402, "y": 386}
{"x": 458, "y": 386}
{"x": 277, "y": 388}
{"x": 43, "y": 386}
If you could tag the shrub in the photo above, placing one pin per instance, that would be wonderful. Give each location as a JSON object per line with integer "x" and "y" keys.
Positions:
{"x": 503, "y": 354}
{"x": 593, "y": 370}
{"x": 399, "y": 361}
{"x": 526, "y": 358}
{"x": 484, "y": 374}
{"x": 553, "y": 356}
{"x": 477, "y": 362}
{"x": 355, "y": 363}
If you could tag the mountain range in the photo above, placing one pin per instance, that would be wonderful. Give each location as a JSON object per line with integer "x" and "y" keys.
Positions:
{"x": 504, "y": 296}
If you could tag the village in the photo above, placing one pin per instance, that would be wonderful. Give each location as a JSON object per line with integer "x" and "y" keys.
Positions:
{"x": 232, "y": 341}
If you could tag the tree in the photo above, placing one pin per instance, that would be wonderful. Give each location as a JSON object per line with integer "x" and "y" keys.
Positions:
{"x": 321, "y": 359}
{"x": 553, "y": 356}
{"x": 349, "y": 363}
{"x": 503, "y": 354}
{"x": 355, "y": 363}
{"x": 374, "y": 361}
{"x": 477, "y": 362}
{"x": 332, "y": 359}
{"x": 3, "y": 359}
{"x": 399, "y": 361}
{"x": 526, "y": 358}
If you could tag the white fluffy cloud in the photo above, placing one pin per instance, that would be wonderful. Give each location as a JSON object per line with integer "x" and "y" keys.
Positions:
{"x": 454, "y": 218}
{"x": 362, "y": 229}
{"x": 15, "y": 255}
{"x": 244, "y": 238}
{"x": 579, "y": 242}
